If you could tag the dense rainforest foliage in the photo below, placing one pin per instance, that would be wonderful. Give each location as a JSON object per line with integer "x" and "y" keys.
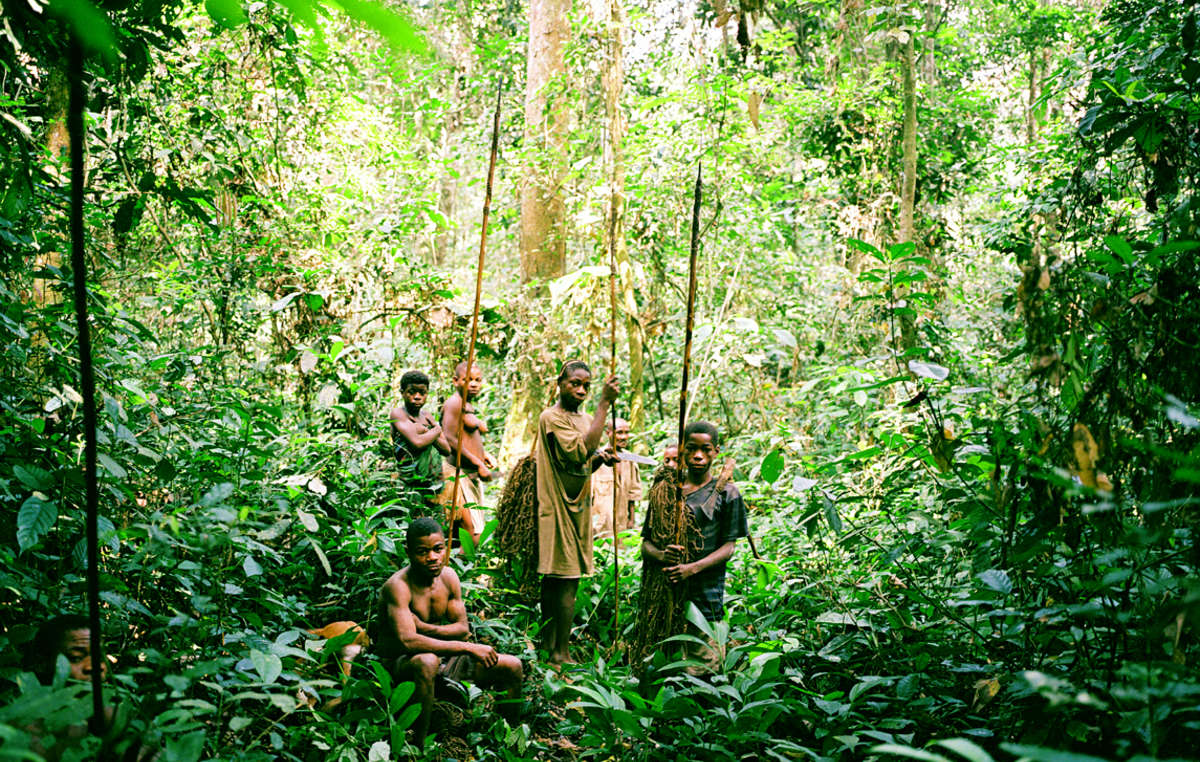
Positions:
{"x": 948, "y": 322}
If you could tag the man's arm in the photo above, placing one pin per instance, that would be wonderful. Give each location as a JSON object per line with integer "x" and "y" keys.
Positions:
{"x": 456, "y": 613}
{"x": 451, "y": 411}
{"x": 607, "y": 396}
{"x": 680, "y": 572}
{"x": 415, "y": 432}
{"x": 404, "y": 625}
{"x": 673, "y": 554}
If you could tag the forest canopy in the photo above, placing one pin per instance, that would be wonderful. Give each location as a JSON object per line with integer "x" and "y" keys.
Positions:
{"x": 944, "y": 323}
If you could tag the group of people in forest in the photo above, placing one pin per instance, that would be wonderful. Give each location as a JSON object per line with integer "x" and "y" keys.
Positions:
{"x": 584, "y": 488}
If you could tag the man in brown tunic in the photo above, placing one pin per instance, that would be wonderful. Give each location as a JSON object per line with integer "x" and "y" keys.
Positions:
{"x": 566, "y": 455}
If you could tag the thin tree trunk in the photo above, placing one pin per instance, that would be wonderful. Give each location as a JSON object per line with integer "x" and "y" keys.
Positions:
{"x": 908, "y": 188}
{"x": 1030, "y": 121}
{"x": 612, "y": 13}
{"x": 933, "y": 17}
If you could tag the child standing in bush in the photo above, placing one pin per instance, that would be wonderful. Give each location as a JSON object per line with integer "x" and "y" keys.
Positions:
{"x": 417, "y": 441}
{"x": 720, "y": 518}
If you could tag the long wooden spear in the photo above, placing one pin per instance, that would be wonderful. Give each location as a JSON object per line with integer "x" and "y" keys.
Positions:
{"x": 87, "y": 379}
{"x": 616, "y": 468}
{"x": 462, "y": 391}
{"x": 687, "y": 353}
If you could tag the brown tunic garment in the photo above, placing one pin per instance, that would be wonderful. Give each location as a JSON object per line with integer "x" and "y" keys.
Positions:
{"x": 564, "y": 521}
{"x": 610, "y": 506}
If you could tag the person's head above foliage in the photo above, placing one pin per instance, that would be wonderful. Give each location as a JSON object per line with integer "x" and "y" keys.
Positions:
{"x": 473, "y": 382}
{"x": 68, "y": 635}
{"x": 412, "y": 378}
{"x": 701, "y": 443}
{"x": 574, "y": 382}
{"x": 426, "y": 545}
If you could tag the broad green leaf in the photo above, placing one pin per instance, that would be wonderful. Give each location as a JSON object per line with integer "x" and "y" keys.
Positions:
{"x": 111, "y": 466}
{"x": 380, "y": 751}
{"x": 308, "y": 520}
{"x": 772, "y": 466}
{"x": 997, "y": 580}
{"x": 908, "y": 752}
{"x": 966, "y": 749}
{"x": 408, "y": 716}
{"x": 1041, "y": 754}
{"x": 928, "y": 370}
{"x": 251, "y": 567}
{"x": 33, "y": 520}
{"x": 186, "y": 748}
{"x": 33, "y": 477}
{"x": 1119, "y": 246}
{"x": 227, "y": 13}
{"x": 89, "y": 23}
{"x": 268, "y": 666}
{"x": 785, "y": 338}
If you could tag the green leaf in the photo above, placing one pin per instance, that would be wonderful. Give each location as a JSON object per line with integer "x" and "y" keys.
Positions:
{"x": 400, "y": 696}
{"x": 772, "y": 466}
{"x": 227, "y": 13}
{"x": 186, "y": 748}
{"x": 89, "y": 23}
{"x": 1120, "y": 247}
{"x": 909, "y": 752}
{"x": 111, "y": 466}
{"x": 408, "y": 716}
{"x": 268, "y": 666}
{"x": 1041, "y": 754}
{"x": 33, "y": 477}
{"x": 251, "y": 567}
{"x": 997, "y": 580}
{"x": 928, "y": 370}
{"x": 395, "y": 29}
{"x": 966, "y": 749}
{"x": 33, "y": 520}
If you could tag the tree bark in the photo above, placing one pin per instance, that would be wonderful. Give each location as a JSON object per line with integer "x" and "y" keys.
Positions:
{"x": 612, "y": 13}
{"x": 543, "y": 239}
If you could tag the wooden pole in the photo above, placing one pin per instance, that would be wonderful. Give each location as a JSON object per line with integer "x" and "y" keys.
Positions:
{"x": 612, "y": 342}
{"x": 462, "y": 391}
{"x": 687, "y": 350}
{"x": 87, "y": 378}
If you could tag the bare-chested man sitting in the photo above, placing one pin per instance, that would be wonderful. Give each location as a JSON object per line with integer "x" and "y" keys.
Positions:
{"x": 424, "y": 628}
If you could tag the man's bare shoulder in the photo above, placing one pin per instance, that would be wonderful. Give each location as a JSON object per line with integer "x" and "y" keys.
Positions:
{"x": 449, "y": 578}
{"x": 396, "y": 585}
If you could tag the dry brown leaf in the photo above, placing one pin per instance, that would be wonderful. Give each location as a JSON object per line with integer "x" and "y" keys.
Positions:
{"x": 723, "y": 18}
{"x": 1087, "y": 452}
{"x": 985, "y": 691}
{"x": 753, "y": 102}
{"x": 1044, "y": 280}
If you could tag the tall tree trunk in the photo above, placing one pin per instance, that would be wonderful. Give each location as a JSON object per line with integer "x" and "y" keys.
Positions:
{"x": 612, "y": 14}
{"x": 1030, "y": 121}
{"x": 908, "y": 186}
{"x": 543, "y": 214}
{"x": 543, "y": 239}
{"x": 933, "y": 19}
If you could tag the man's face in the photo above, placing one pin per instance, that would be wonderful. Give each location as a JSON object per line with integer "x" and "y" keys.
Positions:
{"x": 474, "y": 382}
{"x": 698, "y": 453}
{"x": 622, "y": 434}
{"x": 429, "y": 554}
{"x": 77, "y": 647}
{"x": 671, "y": 457}
{"x": 573, "y": 389}
{"x": 415, "y": 395}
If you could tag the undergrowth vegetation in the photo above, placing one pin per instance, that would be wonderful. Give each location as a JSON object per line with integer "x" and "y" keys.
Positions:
{"x": 970, "y": 458}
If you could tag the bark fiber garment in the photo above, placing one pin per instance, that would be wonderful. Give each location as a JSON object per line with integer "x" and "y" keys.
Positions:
{"x": 564, "y": 522}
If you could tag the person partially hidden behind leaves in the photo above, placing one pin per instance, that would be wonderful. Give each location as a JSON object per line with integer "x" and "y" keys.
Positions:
{"x": 69, "y": 636}
{"x": 424, "y": 631}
